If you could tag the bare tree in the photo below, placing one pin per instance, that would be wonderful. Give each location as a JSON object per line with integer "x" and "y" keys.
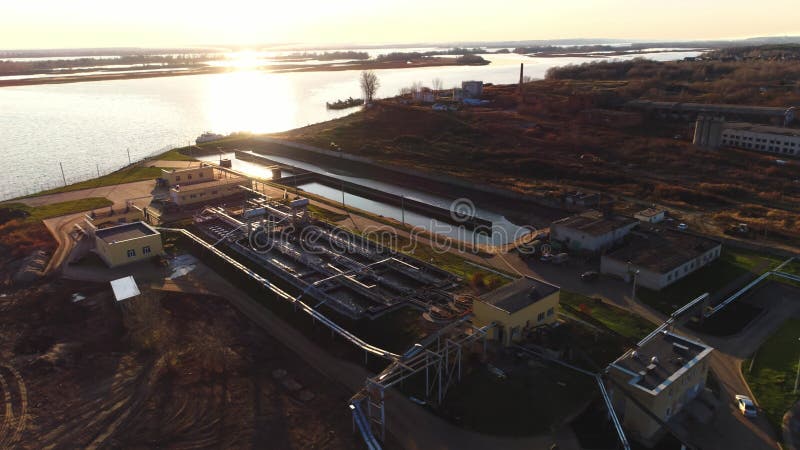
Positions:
{"x": 437, "y": 84}
{"x": 369, "y": 85}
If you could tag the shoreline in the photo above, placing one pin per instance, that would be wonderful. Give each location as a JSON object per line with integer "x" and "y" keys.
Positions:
{"x": 208, "y": 70}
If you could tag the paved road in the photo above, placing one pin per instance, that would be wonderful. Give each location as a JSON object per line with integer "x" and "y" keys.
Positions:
{"x": 117, "y": 194}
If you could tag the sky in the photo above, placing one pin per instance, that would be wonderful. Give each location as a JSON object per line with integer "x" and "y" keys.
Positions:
{"x": 170, "y": 23}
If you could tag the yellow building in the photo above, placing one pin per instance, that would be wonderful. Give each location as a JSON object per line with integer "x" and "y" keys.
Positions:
{"x": 128, "y": 243}
{"x": 519, "y": 306}
{"x": 663, "y": 374}
{"x": 211, "y": 190}
{"x": 192, "y": 175}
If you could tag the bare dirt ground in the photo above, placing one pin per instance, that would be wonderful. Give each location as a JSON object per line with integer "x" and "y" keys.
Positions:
{"x": 168, "y": 371}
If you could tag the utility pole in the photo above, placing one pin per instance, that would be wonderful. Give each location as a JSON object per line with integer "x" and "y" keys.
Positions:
{"x": 129, "y": 156}
{"x": 343, "y": 194}
{"x": 98, "y": 169}
{"x": 797, "y": 376}
{"x": 62, "y": 173}
{"x": 403, "y": 208}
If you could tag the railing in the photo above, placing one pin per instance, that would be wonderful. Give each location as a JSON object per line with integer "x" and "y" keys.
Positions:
{"x": 355, "y": 340}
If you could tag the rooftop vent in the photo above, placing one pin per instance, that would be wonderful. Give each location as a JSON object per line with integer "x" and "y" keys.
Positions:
{"x": 654, "y": 361}
{"x": 635, "y": 354}
{"x": 679, "y": 348}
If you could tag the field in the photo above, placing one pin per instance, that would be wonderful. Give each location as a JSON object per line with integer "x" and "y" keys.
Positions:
{"x": 164, "y": 370}
{"x": 773, "y": 374}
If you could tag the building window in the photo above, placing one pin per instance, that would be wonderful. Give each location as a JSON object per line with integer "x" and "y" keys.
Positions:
{"x": 540, "y": 317}
{"x": 201, "y": 175}
{"x": 177, "y": 178}
{"x": 146, "y": 250}
{"x": 189, "y": 177}
{"x": 550, "y": 312}
{"x": 131, "y": 253}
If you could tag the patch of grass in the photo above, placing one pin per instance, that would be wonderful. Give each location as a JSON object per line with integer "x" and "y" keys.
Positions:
{"x": 616, "y": 319}
{"x": 529, "y": 401}
{"x": 732, "y": 264}
{"x": 128, "y": 175}
{"x": 326, "y": 214}
{"x": 176, "y": 154}
{"x": 39, "y": 213}
{"x": 773, "y": 374}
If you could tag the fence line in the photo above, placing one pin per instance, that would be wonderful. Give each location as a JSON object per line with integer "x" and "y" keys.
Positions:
{"x": 16, "y": 189}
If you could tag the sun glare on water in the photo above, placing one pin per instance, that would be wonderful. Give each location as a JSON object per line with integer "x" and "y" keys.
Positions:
{"x": 245, "y": 59}
{"x": 250, "y": 100}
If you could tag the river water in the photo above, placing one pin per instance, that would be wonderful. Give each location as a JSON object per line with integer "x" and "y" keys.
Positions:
{"x": 95, "y": 127}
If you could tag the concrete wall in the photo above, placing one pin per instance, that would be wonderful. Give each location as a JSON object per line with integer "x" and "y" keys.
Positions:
{"x": 469, "y": 185}
{"x": 658, "y": 280}
{"x": 116, "y": 254}
{"x": 510, "y": 326}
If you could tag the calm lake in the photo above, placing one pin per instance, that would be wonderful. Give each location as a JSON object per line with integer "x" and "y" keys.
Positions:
{"x": 92, "y": 127}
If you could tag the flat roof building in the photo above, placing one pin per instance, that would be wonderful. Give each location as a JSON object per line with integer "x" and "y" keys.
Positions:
{"x": 517, "y": 307}
{"x": 591, "y": 230}
{"x": 661, "y": 257}
{"x": 192, "y": 175}
{"x": 214, "y": 189}
{"x": 650, "y": 215}
{"x": 127, "y": 243}
{"x": 664, "y": 373}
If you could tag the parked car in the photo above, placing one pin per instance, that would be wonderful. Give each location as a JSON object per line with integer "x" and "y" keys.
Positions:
{"x": 418, "y": 401}
{"x": 683, "y": 227}
{"x": 589, "y": 276}
{"x": 746, "y": 406}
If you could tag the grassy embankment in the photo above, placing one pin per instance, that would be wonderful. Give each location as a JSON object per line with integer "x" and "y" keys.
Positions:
{"x": 732, "y": 265}
{"x": 32, "y": 214}
{"x": 773, "y": 372}
{"x": 22, "y": 231}
{"x": 127, "y": 175}
{"x": 617, "y": 320}
{"x": 130, "y": 174}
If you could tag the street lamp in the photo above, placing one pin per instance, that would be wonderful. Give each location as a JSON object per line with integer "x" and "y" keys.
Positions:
{"x": 635, "y": 272}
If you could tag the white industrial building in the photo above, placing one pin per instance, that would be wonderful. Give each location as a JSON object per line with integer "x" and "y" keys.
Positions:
{"x": 591, "y": 231}
{"x": 661, "y": 258}
{"x": 472, "y": 89}
{"x": 650, "y": 215}
{"x": 782, "y": 141}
